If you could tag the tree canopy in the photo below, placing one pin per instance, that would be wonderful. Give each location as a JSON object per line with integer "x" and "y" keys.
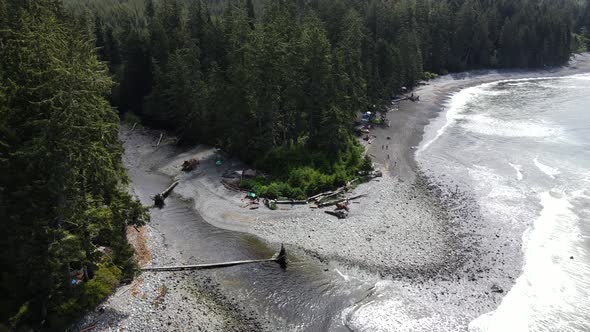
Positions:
{"x": 277, "y": 83}
{"x": 61, "y": 176}
{"x": 262, "y": 78}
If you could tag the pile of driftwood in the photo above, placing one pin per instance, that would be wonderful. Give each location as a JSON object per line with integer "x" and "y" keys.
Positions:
{"x": 342, "y": 209}
{"x": 189, "y": 165}
{"x": 335, "y": 198}
{"x": 329, "y": 194}
{"x": 331, "y": 198}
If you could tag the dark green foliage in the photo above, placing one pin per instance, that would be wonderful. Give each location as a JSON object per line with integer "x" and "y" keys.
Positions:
{"x": 583, "y": 26}
{"x": 277, "y": 83}
{"x": 61, "y": 174}
{"x": 298, "y": 172}
{"x": 258, "y": 78}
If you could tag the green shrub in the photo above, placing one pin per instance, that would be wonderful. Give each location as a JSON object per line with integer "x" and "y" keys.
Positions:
{"x": 22, "y": 314}
{"x": 367, "y": 165}
{"x": 248, "y": 184}
{"x": 297, "y": 172}
{"x": 104, "y": 283}
{"x": 272, "y": 191}
{"x": 429, "y": 76}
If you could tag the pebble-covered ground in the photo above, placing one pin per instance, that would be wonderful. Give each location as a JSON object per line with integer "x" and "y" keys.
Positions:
{"x": 167, "y": 301}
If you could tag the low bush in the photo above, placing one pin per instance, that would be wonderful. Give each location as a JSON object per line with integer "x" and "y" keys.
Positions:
{"x": 428, "y": 75}
{"x": 104, "y": 282}
{"x": 297, "y": 172}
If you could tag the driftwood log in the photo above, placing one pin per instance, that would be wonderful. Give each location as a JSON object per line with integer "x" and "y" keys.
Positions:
{"x": 160, "y": 139}
{"x": 280, "y": 258}
{"x": 334, "y": 202}
{"x": 159, "y": 198}
{"x": 341, "y": 214}
{"x": 291, "y": 201}
{"x": 332, "y": 193}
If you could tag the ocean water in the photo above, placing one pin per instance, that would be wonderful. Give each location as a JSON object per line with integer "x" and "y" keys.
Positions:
{"x": 523, "y": 147}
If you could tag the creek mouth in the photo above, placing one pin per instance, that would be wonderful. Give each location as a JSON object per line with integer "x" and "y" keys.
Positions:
{"x": 307, "y": 295}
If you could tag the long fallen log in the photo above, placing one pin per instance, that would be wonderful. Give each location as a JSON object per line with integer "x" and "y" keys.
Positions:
{"x": 314, "y": 197}
{"x": 336, "y": 193}
{"x": 356, "y": 197}
{"x": 331, "y": 193}
{"x": 160, "y": 139}
{"x": 280, "y": 258}
{"x": 159, "y": 198}
{"x": 334, "y": 202}
{"x": 291, "y": 201}
{"x": 326, "y": 194}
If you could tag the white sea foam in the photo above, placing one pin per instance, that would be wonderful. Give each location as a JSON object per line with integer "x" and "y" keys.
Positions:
{"x": 491, "y": 92}
{"x": 458, "y": 102}
{"x": 487, "y": 125}
{"x": 518, "y": 169}
{"x": 553, "y": 292}
{"x": 545, "y": 297}
{"x": 523, "y": 83}
{"x": 454, "y": 107}
{"x": 386, "y": 311}
{"x": 583, "y": 77}
{"x": 344, "y": 276}
{"x": 499, "y": 196}
{"x": 548, "y": 170}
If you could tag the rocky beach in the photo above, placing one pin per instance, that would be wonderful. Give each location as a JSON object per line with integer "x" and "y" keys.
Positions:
{"x": 416, "y": 245}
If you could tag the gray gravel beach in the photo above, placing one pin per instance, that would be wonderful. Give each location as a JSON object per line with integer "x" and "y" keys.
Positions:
{"x": 424, "y": 235}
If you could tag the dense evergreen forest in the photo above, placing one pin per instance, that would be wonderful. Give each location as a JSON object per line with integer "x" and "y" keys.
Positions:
{"x": 277, "y": 83}
{"x": 64, "y": 207}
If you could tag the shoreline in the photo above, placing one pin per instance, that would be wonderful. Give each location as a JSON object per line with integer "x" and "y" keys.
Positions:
{"x": 408, "y": 125}
{"x": 429, "y": 244}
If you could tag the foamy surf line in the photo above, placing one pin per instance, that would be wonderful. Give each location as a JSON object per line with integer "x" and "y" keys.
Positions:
{"x": 518, "y": 169}
{"x": 488, "y": 125}
{"x": 546, "y": 287}
{"x": 548, "y": 170}
{"x": 453, "y": 107}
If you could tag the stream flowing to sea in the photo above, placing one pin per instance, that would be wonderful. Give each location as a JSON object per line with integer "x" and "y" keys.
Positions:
{"x": 523, "y": 146}
{"x": 306, "y": 296}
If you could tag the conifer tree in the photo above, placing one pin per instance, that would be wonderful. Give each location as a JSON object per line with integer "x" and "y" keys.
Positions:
{"x": 61, "y": 171}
